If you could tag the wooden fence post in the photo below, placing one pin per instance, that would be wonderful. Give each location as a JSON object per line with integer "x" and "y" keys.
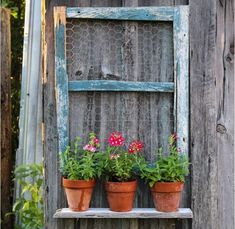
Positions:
{"x": 6, "y": 151}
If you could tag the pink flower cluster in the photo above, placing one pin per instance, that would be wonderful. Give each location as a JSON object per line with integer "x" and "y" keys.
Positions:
{"x": 93, "y": 144}
{"x": 89, "y": 148}
{"x": 116, "y": 139}
{"x": 135, "y": 146}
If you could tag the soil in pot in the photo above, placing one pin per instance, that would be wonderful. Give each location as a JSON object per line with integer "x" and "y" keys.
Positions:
{"x": 78, "y": 193}
{"x": 166, "y": 195}
{"x": 120, "y": 195}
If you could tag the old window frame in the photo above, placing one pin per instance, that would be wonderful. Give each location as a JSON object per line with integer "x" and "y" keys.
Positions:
{"x": 178, "y": 15}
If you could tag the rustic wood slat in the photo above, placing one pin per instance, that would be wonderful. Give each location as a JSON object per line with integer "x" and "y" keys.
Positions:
{"x": 125, "y": 13}
{"x": 112, "y": 85}
{"x": 61, "y": 79}
{"x": 181, "y": 74}
{"x": 6, "y": 117}
{"x": 181, "y": 68}
{"x": 224, "y": 73}
{"x": 212, "y": 113}
{"x": 144, "y": 213}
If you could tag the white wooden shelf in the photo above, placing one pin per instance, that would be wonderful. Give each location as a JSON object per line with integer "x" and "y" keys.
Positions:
{"x": 183, "y": 213}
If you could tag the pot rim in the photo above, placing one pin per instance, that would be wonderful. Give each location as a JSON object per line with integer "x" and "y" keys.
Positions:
{"x": 168, "y": 186}
{"x": 121, "y": 187}
{"x": 121, "y": 182}
{"x": 78, "y": 183}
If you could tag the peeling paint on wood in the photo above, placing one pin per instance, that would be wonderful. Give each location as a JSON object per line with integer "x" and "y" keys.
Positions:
{"x": 124, "y": 13}
{"x": 181, "y": 75}
{"x": 61, "y": 79}
{"x": 112, "y": 85}
{"x": 181, "y": 72}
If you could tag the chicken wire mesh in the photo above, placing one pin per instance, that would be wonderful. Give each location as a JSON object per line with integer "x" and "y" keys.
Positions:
{"x": 127, "y": 51}
{"x": 119, "y": 50}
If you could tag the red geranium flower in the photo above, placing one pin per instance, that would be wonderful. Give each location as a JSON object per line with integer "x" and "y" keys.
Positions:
{"x": 135, "y": 146}
{"x": 116, "y": 139}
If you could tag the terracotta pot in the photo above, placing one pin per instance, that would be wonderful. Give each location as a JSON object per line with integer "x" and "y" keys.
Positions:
{"x": 166, "y": 195}
{"x": 78, "y": 193}
{"x": 121, "y": 195}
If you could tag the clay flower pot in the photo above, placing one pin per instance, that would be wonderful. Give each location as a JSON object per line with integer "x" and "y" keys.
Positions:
{"x": 166, "y": 195}
{"x": 121, "y": 195}
{"x": 78, "y": 193}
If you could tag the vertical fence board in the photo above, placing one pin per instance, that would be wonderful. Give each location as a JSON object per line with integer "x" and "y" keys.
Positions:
{"x": 6, "y": 150}
{"x": 212, "y": 113}
{"x": 224, "y": 72}
{"x": 204, "y": 158}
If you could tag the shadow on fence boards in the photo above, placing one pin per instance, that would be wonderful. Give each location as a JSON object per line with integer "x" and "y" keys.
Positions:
{"x": 6, "y": 149}
{"x": 144, "y": 51}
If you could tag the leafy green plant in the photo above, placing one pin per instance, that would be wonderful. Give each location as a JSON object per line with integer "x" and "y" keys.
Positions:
{"x": 119, "y": 163}
{"x": 170, "y": 168}
{"x": 79, "y": 163}
{"x": 29, "y": 206}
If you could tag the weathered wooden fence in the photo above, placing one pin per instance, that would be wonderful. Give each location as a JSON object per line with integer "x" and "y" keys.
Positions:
{"x": 210, "y": 193}
{"x": 6, "y": 150}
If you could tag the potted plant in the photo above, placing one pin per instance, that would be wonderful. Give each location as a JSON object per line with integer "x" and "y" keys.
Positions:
{"x": 119, "y": 171}
{"x": 166, "y": 176}
{"x": 80, "y": 166}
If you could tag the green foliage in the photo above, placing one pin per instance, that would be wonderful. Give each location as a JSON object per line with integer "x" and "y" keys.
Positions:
{"x": 170, "y": 168}
{"x": 29, "y": 206}
{"x": 119, "y": 164}
{"x": 80, "y": 164}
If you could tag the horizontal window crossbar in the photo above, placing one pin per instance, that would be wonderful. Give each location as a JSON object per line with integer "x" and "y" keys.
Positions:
{"x": 112, "y": 85}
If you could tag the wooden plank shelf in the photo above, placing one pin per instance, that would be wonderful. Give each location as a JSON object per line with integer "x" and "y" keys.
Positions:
{"x": 142, "y": 213}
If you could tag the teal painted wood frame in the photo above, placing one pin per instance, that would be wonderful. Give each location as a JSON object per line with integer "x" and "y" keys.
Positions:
{"x": 61, "y": 78}
{"x": 178, "y": 15}
{"x": 113, "y": 85}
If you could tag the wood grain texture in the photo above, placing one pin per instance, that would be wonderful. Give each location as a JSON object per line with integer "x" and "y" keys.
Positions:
{"x": 224, "y": 73}
{"x": 212, "y": 113}
{"x": 126, "y": 13}
{"x": 135, "y": 213}
{"x": 181, "y": 69}
{"x": 112, "y": 85}
{"x": 6, "y": 117}
{"x": 204, "y": 157}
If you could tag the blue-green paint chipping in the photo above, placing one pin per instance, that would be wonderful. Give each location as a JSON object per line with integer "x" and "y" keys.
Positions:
{"x": 61, "y": 80}
{"x": 122, "y": 13}
{"x": 181, "y": 72}
{"x": 112, "y": 85}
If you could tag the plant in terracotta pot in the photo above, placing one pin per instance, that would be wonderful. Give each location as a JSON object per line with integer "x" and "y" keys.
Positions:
{"x": 80, "y": 166}
{"x": 166, "y": 176}
{"x": 119, "y": 171}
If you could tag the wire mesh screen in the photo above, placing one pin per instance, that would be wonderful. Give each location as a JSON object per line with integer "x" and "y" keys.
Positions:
{"x": 119, "y": 50}
{"x": 128, "y": 51}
